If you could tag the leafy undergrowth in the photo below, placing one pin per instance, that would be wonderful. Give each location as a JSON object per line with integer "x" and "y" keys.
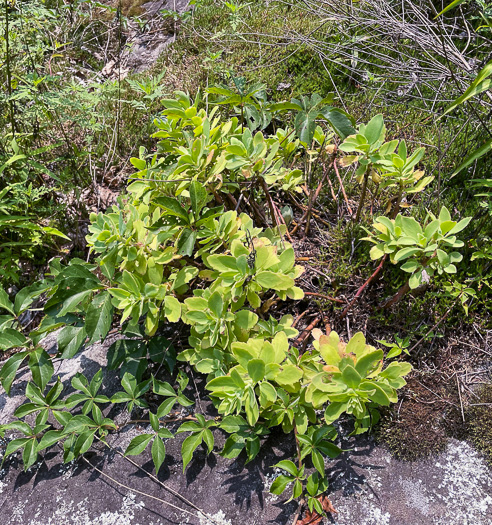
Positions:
{"x": 310, "y": 262}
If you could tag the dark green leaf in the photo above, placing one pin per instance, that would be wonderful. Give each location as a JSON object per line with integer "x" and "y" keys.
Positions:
{"x": 99, "y": 317}
{"x": 11, "y": 338}
{"x": 189, "y": 446}
{"x": 138, "y": 444}
{"x": 279, "y": 484}
{"x": 158, "y": 453}
{"x": 9, "y": 370}
{"x": 41, "y": 367}
{"x": 70, "y": 340}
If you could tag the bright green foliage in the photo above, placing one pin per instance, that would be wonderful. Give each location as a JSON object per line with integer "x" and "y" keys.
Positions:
{"x": 351, "y": 377}
{"x": 310, "y": 109}
{"x": 198, "y": 146}
{"x": 167, "y": 254}
{"x": 200, "y": 432}
{"x": 88, "y": 393}
{"x": 242, "y": 437}
{"x": 22, "y": 208}
{"x": 139, "y": 443}
{"x": 388, "y": 163}
{"x": 428, "y": 246}
{"x": 317, "y": 443}
{"x": 294, "y": 475}
{"x": 268, "y": 380}
{"x": 395, "y": 349}
{"x": 366, "y": 143}
{"x": 248, "y": 101}
{"x": 461, "y": 292}
{"x": 398, "y": 169}
{"x": 133, "y": 392}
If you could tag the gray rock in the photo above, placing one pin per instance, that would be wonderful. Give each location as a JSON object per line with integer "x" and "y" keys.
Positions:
{"x": 367, "y": 486}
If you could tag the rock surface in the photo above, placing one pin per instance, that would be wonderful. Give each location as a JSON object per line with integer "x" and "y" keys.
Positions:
{"x": 145, "y": 46}
{"x": 368, "y": 486}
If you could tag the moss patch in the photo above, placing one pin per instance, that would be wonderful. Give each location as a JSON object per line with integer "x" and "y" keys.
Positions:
{"x": 479, "y": 421}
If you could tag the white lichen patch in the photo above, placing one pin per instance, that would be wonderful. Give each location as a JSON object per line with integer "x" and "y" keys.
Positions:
{"x": 465, "y": 486}
{"x": 70, "y": 513}
{"x": 217, "y": 519}
{"x": 455, "y": 488}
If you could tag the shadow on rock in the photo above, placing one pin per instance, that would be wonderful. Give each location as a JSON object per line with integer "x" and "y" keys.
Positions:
{"x": 345, "y": 473}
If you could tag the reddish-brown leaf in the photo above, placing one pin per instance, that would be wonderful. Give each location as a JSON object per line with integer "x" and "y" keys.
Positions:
{"x": 310, "y": 518}
{"x": 327, "y": 505}
{"x": 314, "y": 518}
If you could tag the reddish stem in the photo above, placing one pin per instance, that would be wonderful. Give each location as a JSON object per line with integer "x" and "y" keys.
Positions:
{"x": 363, "y": 287}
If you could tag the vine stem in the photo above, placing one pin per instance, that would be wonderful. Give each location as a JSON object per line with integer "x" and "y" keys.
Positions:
{"x": 140, "y": 492}
{"x": 270, "y": 202}
{"x": 299, "y": 461}
{"x": 154, "y": 478}
{"x": 363, "y": 287}
{"x": 362, "y": 196}
{"x": 298, "y": 511}
{"x": 323, "y": 296}
{"x": 343, "y": 188}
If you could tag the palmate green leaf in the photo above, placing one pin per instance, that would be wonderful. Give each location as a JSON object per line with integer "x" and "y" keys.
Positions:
{"x": 189, "y": 446}
{"x": 163, "y": 388}
{"x": 14, "y": 445}
{"x": 158, "y": 452}
{"x": 50, "y": 438}
{"x": 70, "y": 340}
{"x": 26, "y": 409}
{"x": 30, "y": 454}
{"x": 318, "y": 461}
{"x": 288, "y": 466}
{"x": 9, "y": 370}
{"x": 5, "y": 302}
{"x": 208, "y": 439}
{"x": 11, "y": 338}
{"x": 138, "y": 444}
{"x": 41, "y": 367}
{"x": 279, "y": 484}
{"x": 84, "y": 442}
{"x": 233, "y": 446}
{"x": 99, "y": 317}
